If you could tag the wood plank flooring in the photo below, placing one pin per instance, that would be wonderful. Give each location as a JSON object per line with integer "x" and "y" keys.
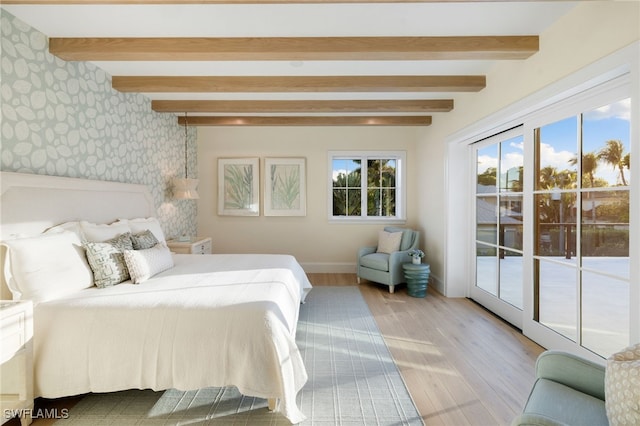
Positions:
{"x": 461, "y": 364}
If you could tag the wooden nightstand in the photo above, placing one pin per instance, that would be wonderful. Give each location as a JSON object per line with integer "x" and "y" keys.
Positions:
{"x": 196, "y": 245}
{"x": 16, "y": 356}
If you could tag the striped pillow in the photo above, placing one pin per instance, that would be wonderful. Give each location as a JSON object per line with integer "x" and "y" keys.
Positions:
{"x": 143, "y": 264}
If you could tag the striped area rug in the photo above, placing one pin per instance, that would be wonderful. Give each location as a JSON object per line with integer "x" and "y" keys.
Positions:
{"x": 353, "y": 380}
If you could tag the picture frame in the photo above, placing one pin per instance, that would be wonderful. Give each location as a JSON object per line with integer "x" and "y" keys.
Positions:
{"x": 285, "y": 187}
{"x": 239, "y": 186}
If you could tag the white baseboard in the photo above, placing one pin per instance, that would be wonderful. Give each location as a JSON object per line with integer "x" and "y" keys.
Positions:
{"x": 350, "y": 268}
{"x": 329, "y": 268}
{"x": 436, "y": 283}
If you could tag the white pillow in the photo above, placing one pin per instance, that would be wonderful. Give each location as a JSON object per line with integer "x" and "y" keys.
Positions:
{"x": 46, "y": 267}
{"x": 142, "y": 224}
{"x": 98, "y": 233}
{"x": 143, "y": 264}
{"x": 67, "y": 226}
{"x": 389, "y": 241}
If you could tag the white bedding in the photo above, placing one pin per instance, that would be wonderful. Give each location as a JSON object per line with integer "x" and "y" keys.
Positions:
{"x": 212, "y": 320}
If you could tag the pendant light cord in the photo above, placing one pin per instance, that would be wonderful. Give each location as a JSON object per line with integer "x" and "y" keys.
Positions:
{"x": 186, "y": 176}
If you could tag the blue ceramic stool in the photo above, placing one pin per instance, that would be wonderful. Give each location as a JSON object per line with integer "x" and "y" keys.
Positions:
{"x": 417, "y": 276}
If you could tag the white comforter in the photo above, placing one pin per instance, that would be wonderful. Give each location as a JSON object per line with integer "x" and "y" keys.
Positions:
{"x": 212, "y": 320}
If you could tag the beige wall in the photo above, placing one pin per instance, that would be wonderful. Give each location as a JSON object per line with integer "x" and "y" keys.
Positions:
{"x": 587, "y": 33}
{"x": 317, "y": 244}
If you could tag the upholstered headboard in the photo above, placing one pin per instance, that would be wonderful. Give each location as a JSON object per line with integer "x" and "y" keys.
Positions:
{"x": 31, "y": 203}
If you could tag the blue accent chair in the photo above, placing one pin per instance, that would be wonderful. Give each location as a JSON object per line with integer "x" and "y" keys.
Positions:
{"x": 568, "y": 391}
{"x": 386, "y": 268}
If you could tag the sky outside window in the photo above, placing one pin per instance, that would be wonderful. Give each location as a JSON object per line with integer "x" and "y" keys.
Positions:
{"x": 611, "y": 122}
{"x": 559, "y": 140}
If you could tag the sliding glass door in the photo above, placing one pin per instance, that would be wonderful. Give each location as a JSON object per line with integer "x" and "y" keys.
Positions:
{"x": 499, "y": 223}
{"x": 551, "y": 224}
{"x": 581, "y": 213}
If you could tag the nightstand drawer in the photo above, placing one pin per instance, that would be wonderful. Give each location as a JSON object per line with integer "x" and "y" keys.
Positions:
{"x": 202, "y": 248}
{"x": 196, "y": 245}
{"x": 13, "y": 335}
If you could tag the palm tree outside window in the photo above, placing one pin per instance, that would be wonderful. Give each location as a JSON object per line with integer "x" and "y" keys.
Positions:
{"x": 367, "y": 185}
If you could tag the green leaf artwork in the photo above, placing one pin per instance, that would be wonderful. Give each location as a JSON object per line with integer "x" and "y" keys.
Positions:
{"x": 285, "y": 186}
{"x": 238, "y": 186}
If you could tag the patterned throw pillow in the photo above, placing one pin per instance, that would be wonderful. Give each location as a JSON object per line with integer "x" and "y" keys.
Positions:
{"x": 622, "y": 387}
{"x": 142, "y": 224}
{"x": 107, "y": 260}
{"x": 143, "y": 264}
{"x": 143, "y": 240}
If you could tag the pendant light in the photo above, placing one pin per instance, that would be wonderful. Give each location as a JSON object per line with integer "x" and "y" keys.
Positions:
{"x": 185, "y": 189}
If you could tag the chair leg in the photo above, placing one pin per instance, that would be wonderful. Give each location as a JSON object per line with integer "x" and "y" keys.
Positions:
{"x": 392, "y": 288}
{"x": 358, "y": 280}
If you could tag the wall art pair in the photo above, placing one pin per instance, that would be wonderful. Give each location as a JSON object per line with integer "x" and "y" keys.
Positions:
{"x": 284, "y": 187}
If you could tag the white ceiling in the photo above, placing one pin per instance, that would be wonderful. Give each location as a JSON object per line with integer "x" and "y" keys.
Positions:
{"x": 295, "y": 20}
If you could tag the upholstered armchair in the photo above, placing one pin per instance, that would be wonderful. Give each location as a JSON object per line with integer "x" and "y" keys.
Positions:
{"x": 569, "y": 390}
{"x": 386, "y": 268}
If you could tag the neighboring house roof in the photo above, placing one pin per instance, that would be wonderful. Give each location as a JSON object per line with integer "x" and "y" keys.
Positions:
{"x": 486, "y": 214}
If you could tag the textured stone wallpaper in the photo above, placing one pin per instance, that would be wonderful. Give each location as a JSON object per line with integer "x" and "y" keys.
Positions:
{"x": 63, "y": 119}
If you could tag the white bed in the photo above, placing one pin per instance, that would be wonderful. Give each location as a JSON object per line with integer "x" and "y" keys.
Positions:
{"x": 210, "y": 320}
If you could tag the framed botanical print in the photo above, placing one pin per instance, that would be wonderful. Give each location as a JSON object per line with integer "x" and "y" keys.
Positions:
{"x": 238, "y": 186}
{"x": 285, "y": 187}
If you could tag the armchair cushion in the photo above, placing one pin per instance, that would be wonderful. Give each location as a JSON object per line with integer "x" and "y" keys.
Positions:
{"x": 527, "y": 419}
{"x": 571, "y": 370}
{"x": 565, "y": 405}
{"x": 569, "y": 390}
{"x": 378, "y": 261}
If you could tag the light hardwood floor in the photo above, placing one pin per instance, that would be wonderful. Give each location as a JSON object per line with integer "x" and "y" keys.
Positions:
{"x": 461, "y": 364}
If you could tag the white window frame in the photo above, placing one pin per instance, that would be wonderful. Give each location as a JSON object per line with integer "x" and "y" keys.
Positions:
{"x": 401, "y": 205}
{"x": 493, "y": 302}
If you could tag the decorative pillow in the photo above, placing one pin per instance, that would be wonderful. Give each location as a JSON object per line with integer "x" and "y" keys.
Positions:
{"x": 143, "y": 240}
{"x": 98, "y": 233}
{"x": 143, "y": 264}
{"x": 143, "y": 224}
{"x": 407, "y": 236}
{"x": 622, "y": 387}
{"x": 46, "y": 267}
{"x": 389, "y": 241}
{"x": 107, "y": 260}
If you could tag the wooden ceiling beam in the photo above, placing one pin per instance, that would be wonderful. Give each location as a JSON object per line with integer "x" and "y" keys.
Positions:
{"x": 180, "y": 2}
{"x": 294, "y": 48}
{"x": 400, "y": 83}
{"x": 421, "y": 120}
{"x": 306, "y": 106}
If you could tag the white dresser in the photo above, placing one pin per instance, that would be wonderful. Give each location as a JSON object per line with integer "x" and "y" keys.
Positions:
{"x": 16, "y": 387}
{"x": 195, "y": 245}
